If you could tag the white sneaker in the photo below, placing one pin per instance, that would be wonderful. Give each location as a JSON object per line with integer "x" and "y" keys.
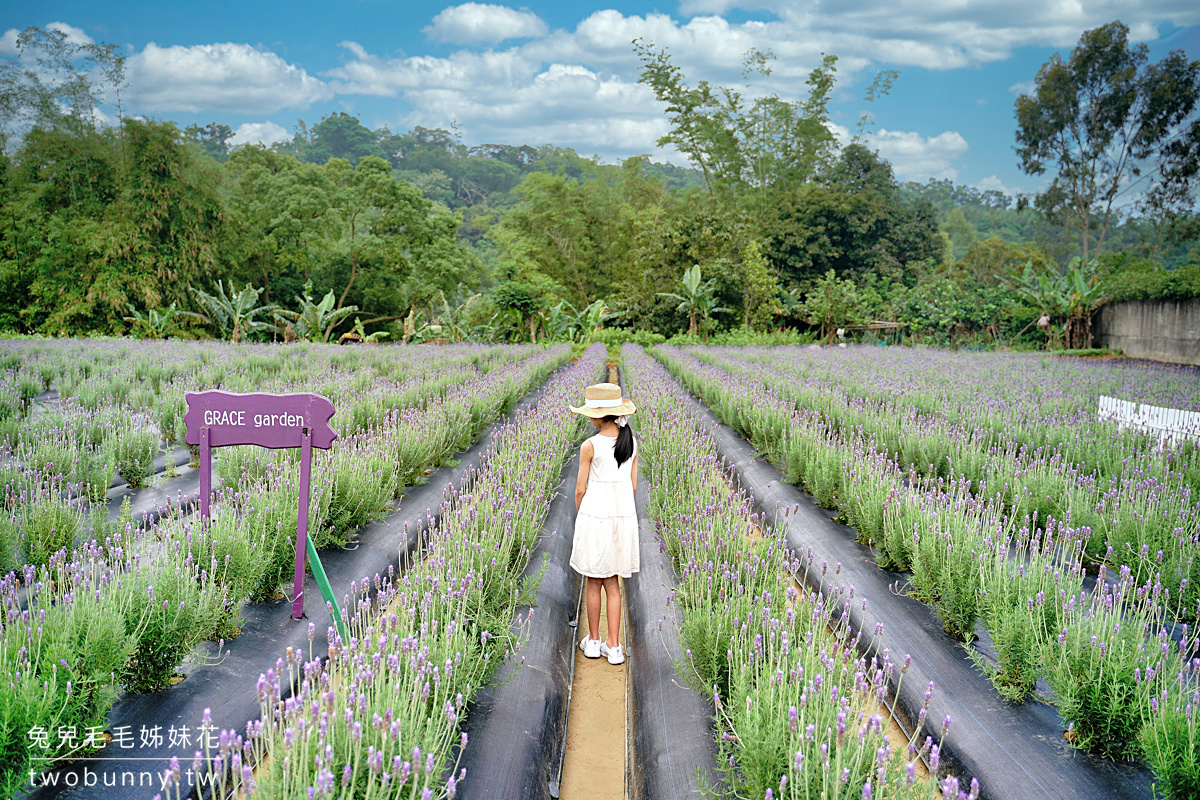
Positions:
{"x": 591, "y": 647}
{"x": 616, "y": 655}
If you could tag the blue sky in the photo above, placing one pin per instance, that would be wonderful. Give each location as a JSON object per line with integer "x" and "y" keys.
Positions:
{"x": 565, "y": 74}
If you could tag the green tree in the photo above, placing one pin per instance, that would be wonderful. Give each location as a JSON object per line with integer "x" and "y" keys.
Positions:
{"x": 109, "y": 219}
{"x": 212, "y": 140}
{"x": 338, "y": 135}
{"x": 757, "y": 146}
{"x": 1106, "y": 121}
{"x": 855, "y": 223}
{"x": 993, "y": 260}
{"x": 834, "y": 303}
{"x": 553, "y": 228}
{"x": 66, "y": 89}
{"x": 522, "y": 298}
{"x": 759, "y": 287}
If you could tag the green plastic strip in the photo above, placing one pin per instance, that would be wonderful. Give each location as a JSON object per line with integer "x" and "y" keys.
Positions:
{"x": 314, "y": 561}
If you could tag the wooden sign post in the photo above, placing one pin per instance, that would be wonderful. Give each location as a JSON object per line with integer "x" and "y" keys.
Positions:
{"x": 276, "y": 421}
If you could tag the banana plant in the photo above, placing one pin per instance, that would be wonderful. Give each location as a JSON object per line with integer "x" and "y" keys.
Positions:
{"x": 158, "y": 323}
{"x": 452, "y": 317}
{"x": 314, "y": 321}
{"x": 560, "y": 321}
{"x": 695, "y": 297}
{"x": 1067, "y": 298}
{"x": 235, "y": 314}
{"x": 593, "y": 317}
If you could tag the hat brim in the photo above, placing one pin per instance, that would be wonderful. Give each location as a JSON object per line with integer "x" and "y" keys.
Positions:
{"x": 625, "y": 409}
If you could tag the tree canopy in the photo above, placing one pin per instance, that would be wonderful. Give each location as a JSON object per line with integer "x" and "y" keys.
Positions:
{"x": 113, "y": 224}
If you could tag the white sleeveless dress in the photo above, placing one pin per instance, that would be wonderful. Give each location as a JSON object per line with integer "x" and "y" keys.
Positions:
{"x": 606, "y": 527}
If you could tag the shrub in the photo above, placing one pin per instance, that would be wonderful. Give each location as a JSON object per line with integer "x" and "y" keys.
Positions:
{"x": 1170, "y": 737}
{"x": 615, "y": 337}
{"x": 94, "y": 471}
{"x": 1092, "y": 667}
{"x": 47, "y": 525}
{"x": 168, "y": 612}
{"x": 135, "y": 452}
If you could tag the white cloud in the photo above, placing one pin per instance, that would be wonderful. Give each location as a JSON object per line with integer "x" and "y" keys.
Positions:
{"x": 219, "y": 77}
{"x": 510, "y": 97}
{"x": 255, "y": 132}
{"x": 1024, "y": 87}
{"x": 8, "y": 43}
{"x": 484, "y": 23}
{"x": 993, "y": 183}
{"x": 945, "y": 34}
{"x": 916, "y": 158}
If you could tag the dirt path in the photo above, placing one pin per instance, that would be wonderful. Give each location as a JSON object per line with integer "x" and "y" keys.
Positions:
{"x": 594, "y": 767}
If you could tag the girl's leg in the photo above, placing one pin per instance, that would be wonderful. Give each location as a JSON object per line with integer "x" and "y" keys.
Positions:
{"x": 612, "y": 593}
{"x": 593, "y": 607}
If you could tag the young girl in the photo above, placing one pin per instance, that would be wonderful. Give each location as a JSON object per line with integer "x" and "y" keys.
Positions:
{"x": 606, "y": 527}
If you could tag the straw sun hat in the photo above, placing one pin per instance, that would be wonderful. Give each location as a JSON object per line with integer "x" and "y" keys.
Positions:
{"x": 604, "y": 400}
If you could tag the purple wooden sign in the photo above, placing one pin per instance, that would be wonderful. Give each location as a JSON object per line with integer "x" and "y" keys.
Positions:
{"x": 269, "y": 420}
{"x": 218, "y": 419}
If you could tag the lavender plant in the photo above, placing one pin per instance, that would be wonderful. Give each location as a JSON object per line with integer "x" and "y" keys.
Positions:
{"x": 1107, "y": 641}
{"x": 1170, "y": 735}
{"x": 802, "y": 713}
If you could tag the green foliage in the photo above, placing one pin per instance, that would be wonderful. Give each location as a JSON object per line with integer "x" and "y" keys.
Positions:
{"x": 338, "y": 135}
{"x": 314, "y": 322}
{"x": 156, "y": 323}
{"x": 614, "y": 337}
{"x": 1099, "y": 117}
{"x": 212, "y": 140}
{"x": 46, "y": 526}
{"x": 759, "y": 288}
{"x": 135, "y": 452}
{"x": 169, "y": 612}
{"x": 1091, "y": 669}
{"x": 1067, "y": 298}
{"x": 695, "y": 297}
{"x": 235, "y": 315}
{"x": 770, "y": 143}
{"x": 833, "y": 303}
{"x": 1170, "y": 738}
{"x": 1127, "y": 277}
{"x": 109, "y": 229}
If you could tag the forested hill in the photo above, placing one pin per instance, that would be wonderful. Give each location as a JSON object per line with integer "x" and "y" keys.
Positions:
{"x": 118, "y": 224}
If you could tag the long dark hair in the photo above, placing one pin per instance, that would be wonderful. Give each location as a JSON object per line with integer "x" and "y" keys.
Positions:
{"x": 623, "y": 449}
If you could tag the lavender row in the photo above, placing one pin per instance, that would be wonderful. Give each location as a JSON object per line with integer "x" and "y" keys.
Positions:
{"x": 800, "y": 712}
{"x": 1120, "y": 672}
{"x": 120, "y": 612}
{"x": 378, "y": 714}
{"x": 77, "y": 449}
{"x": 1026, "y": 434}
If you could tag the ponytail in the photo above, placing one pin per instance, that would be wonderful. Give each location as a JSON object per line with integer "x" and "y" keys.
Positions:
{"x": 623, "y": 449}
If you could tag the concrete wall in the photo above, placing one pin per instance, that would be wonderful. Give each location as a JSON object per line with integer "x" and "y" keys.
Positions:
{"x": 1163, "y": 330}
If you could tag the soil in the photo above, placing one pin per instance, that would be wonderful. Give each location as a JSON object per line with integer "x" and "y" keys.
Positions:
{"x": 594, "y": 767}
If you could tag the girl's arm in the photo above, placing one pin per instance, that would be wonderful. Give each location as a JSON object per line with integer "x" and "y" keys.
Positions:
{"x": 633, "y": 472}
{"x": 585, "y": 469}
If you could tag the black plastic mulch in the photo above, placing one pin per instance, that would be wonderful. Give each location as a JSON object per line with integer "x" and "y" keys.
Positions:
{"x": 227, "y": 687}
{"x": 1016, "y": 751}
